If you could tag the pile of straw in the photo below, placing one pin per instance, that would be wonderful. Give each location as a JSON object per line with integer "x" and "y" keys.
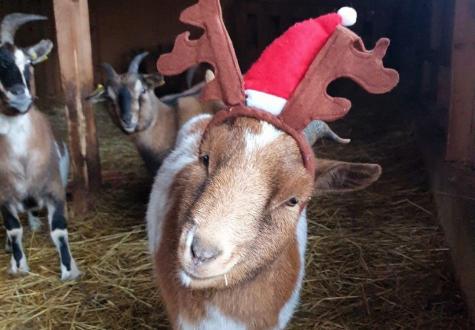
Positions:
{"x": 375, "y": 259}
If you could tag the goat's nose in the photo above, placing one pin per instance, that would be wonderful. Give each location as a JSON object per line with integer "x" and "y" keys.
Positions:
{"x": 17, "y": 90}
{"x": 202, "y": 252}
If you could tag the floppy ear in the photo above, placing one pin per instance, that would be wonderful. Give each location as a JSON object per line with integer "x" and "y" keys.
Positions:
{"x": 153, "y": 80}
{"x": 99, "y": 95}
{"x": 333, "y": 176}
{"x": 39, "y": 52}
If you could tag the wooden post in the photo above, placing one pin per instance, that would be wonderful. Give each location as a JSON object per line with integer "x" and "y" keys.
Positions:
{"x": 461, "y": 133}
{"x": 76, "y": 69}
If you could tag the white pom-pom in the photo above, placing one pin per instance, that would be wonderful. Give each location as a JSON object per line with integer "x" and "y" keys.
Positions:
{"x": 348, "y": 16}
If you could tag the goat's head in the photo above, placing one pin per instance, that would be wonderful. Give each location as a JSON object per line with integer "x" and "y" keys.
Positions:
{"x": 130, "y": 95}
{"x": 257, "y": 171}
{"x": 249, "y": 187}
{"x": 15, "y": 64}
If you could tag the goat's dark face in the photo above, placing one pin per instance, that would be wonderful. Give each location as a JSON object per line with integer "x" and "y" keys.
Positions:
{"x": 131, "y": 96}
{"x": 14, "y": 80}
{"x": 15, "y": 64}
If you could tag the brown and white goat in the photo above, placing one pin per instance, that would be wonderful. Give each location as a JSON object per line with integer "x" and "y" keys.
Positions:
{"x": 33, "y": 165}
{"x": 227, "y": 223}
{"x": 150, "y": 122}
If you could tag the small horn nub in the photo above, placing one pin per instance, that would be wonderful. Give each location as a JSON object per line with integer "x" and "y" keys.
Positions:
{"x": 110, "y": 72}
{"x": 12, "y": 22}
{"x": 318, "y": 129}
{"x": 134, "y": 65}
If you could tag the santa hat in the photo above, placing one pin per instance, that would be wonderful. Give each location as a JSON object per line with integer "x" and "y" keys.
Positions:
{"x": 273, "y": 78}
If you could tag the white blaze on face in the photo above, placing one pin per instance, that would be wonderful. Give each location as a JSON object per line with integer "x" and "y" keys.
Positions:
{"x": 111, "y": 93}
{"x": 138, "y": 87}
{"x": 21, "y": 62}
{"x": 266, "y": 136}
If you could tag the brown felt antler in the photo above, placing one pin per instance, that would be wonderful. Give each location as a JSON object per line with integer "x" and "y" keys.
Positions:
{"x": 344, "y": 55}
{"x": 214, "y": 47}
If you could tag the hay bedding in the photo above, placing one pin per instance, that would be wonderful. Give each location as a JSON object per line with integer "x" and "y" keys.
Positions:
{"x": 375, "y": 259}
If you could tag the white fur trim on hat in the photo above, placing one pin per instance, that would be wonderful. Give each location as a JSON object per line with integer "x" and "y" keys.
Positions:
{"x": 268, "y": 102}
{"x": 348, "y": 16}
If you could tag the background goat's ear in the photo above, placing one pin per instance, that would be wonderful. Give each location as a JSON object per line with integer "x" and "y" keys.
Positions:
{"x": 333, "y": 176}
{"x": 39, "y": 52}
{"x": 153, "y": 80}
{"x": 99, "y": 95}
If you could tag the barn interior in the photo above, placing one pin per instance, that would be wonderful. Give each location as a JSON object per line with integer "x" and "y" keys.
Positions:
{"x": 400, "y": 254}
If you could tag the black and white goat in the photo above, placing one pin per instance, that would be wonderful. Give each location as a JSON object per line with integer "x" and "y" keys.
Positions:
{"x": 33, "y": 165}
{"x": 149, "y": 121}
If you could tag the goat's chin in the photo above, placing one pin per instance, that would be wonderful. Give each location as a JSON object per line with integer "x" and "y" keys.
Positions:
{"x": 192, "y": 282}
{"x": 218, "y": 277}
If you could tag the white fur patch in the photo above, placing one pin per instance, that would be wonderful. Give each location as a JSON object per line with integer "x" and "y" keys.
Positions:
{"x": 70, "y": 275}
{"x": 264, "y": 101}
{"x": 138, "y": 87}
{"x": 14, "y": 269}
{"x": 184, "y": 279}
{"x": 17, "y": 130}
{"x": 34, "y": 222}
{"x": 21, "y": 61}
{"x": 288, "y": 310}
{"x": 63, "y": 162}
{"x": 185, "y": 152}
{"x": 214, "y": 320}
{"x": 266, "y": 136}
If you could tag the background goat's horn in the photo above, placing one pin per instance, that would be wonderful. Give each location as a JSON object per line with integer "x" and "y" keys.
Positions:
{"x": 12, "y": 22}
{"x": 318, "y": 129}
{"x": 134, "y": 65}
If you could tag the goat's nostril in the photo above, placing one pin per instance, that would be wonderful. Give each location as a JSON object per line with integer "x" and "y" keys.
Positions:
{"x": 17, "y": 90}
{"x": 202, "y": 252}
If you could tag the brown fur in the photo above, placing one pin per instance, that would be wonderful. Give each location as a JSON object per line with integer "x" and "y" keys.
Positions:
{"x": 41, "y": 173}
{"x": 260, "y": 285}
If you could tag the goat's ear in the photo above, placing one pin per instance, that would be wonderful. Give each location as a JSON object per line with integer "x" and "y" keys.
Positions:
{"x": 153, "y": 80}
{"x": 99, "y": 95}
{"x": 39, "y": 52}
{"x": 333, "y": 176}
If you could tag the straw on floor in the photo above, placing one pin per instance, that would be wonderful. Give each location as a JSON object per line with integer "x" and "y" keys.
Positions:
{"x": 376, "y": 259}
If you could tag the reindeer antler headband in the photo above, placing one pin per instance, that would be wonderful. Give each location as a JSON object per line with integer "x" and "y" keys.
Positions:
{"x": 287, "y": 85}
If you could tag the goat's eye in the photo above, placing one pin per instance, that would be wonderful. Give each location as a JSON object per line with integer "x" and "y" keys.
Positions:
{"x": 205, "y": 160}
{"x": 293, "y": 201}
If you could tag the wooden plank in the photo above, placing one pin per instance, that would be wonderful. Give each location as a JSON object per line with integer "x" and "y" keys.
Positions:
{"x": 75, "y": 61}
{"x": 461, "y": 133}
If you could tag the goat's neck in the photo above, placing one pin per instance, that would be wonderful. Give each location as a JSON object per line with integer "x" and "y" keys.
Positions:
{"x": 160, "y": 135}
{"x": 12, "y": 124}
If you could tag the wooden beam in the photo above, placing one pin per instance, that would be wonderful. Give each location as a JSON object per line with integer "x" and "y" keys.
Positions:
{"x": 76, "y": 69}
{"x": 461, "y": 132}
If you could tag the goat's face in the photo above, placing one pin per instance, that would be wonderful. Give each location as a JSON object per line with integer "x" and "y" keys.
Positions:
{"x": 250, "y": 186}
{"x": 15, "y": 64}
{"x": 131, "y": 96}
{"x": 14, "y": 80}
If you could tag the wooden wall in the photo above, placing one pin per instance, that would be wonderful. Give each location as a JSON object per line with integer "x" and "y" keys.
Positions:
{"x": 446, "y": 125}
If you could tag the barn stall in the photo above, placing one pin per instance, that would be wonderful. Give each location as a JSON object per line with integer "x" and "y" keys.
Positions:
{"x": 399, "y": 254}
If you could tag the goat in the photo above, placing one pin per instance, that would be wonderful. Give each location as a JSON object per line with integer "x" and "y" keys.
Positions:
{"x": 150, "y": 122}
{"x": 225, "y": 223}
{"x": 33, "y": 165}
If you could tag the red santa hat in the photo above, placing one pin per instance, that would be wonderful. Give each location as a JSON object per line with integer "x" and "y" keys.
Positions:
{"x": 273, "y": 78}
